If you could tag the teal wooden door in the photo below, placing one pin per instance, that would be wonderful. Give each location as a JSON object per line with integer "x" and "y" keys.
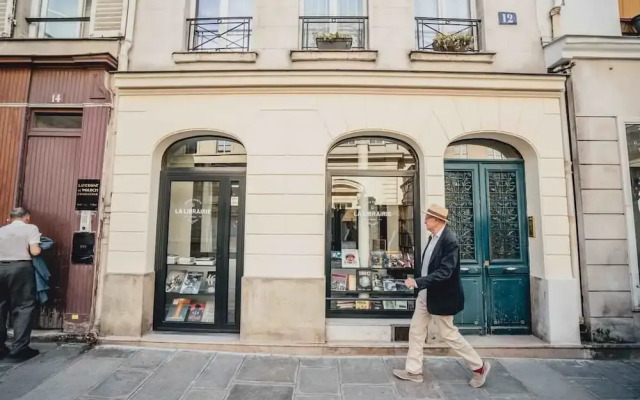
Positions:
{"x": 487, "y": 205}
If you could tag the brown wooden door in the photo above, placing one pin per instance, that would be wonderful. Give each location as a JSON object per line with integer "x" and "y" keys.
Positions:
{"x": 49, "y": 190}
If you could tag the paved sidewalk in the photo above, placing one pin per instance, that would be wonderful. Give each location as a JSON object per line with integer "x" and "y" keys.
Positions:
{"x": 66, "y": 373}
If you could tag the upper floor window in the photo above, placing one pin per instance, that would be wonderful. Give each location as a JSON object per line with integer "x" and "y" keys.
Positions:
{"x": 334, "y": 24}
{"x": 224, "y": 146}
{"x": 60, "y": 19}
{"x": 221, "y": 25}
{"x": 446, "y": 25}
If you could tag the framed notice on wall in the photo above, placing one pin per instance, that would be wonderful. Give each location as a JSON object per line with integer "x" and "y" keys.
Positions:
{"x": 87, "y": 194}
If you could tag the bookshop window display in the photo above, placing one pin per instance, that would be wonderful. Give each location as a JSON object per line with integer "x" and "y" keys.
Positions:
{"x": 199, "y": 260}
{"x": 374, "y": 228}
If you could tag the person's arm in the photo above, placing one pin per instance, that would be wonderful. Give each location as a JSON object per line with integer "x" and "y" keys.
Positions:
{"x": 34, "y": 241}
{"x": 446, "y": 269}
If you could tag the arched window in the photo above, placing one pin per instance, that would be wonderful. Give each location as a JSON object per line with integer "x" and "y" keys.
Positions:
{"x": 200, "y": 225}
{"x": 205, "y": 151}
{"x": 481, "y": 149}
{"x": 373, "y": 226}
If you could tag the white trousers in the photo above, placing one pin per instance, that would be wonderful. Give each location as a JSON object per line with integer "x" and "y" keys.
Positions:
{"x": 448, "y": 332}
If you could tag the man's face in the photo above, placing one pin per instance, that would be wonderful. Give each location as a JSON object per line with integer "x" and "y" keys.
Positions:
{"x": 431, "y": 223}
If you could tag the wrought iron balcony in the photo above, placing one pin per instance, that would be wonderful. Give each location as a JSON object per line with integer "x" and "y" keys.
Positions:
{"x": 219, "y": 34}
{"x": 456, "y": 34}
{"x": 354, "y": 28}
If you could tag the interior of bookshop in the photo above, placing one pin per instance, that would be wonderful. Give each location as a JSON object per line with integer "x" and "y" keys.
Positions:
{"x": 372, "y": 228}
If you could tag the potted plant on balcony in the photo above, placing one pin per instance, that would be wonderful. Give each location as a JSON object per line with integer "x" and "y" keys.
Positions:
{"x": 453, "y": 42}
{"x": 334, "y": 41}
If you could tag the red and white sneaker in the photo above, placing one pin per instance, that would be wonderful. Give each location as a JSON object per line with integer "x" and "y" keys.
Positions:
{"x": 480, "y": 377}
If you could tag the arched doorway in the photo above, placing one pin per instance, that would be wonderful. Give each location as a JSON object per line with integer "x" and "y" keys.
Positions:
{"x": 373, "y": 227}
{"x": 485, "y": 193}
{"x": 199, "y": 259}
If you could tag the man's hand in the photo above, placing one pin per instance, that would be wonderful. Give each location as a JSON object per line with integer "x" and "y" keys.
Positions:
{"x": 411, "y": 283}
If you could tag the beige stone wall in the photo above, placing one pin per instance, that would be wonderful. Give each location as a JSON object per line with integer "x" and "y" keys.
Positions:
{"x": 287, "y": 127}
{"x": 605, "y": 100}
{"x": 392, "y": 37}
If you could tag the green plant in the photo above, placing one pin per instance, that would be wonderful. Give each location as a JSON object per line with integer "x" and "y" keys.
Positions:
{"x": 454, "y": 42}
{"x": 332, "y": 36}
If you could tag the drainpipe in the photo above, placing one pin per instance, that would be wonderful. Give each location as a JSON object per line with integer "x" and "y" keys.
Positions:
{"x": 574, "y": 197}
{"x": 125, "y": 49}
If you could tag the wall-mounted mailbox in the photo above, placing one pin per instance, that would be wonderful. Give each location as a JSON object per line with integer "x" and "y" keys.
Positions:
{"x": 82, "y": 250}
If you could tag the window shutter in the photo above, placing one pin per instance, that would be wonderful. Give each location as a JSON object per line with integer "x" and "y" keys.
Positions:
{"x": 6, "y": 15}
{"x": 107, "y": 18}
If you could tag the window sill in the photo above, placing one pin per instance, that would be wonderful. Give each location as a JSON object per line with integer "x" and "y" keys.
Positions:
{"x": 334, "y": 55}
{"x": 215, "y": 56}
{"x": 436, "y": 56}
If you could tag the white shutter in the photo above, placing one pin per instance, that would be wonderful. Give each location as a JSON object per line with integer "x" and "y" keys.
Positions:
{"x": 6, "y": 13}
{"x": 107, "y": 18}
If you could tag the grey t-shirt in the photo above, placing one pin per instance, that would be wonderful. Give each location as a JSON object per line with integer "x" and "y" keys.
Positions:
{"x": 15, "y": 239}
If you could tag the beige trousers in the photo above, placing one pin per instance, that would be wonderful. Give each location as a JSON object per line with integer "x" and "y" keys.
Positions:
{"x": 448, "y": 332}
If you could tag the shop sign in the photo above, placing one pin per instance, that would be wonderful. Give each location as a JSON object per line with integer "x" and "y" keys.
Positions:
{"x": 192, "y": 210}
{"x": 87, "y": 194}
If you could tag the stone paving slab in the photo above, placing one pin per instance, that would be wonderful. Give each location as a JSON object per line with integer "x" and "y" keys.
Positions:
{"x": 111, "y": 373}
{"x": 174, "y": 377}
{"x": 554, "y": 385}
{"x": 268, "y": 369}
{"x": 220, "y": 371}
{"x": 318, "y": 380}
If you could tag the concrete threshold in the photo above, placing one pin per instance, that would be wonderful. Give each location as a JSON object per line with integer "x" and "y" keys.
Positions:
{"x": 487, "y": 346}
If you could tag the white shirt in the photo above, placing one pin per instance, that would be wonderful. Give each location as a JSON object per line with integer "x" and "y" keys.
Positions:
{"x": 15, "y": 239}
{"x": 429, "y": 252}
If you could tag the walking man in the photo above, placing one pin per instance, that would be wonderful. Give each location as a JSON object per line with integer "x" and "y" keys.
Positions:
{"x": 19, "y": 242}
{"x": 440, "y": 297}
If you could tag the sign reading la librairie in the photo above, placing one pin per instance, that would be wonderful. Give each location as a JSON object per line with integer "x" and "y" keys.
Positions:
{"x": 87, "y": 194}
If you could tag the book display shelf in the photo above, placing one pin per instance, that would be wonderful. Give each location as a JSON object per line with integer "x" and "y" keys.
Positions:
{"x": 190, "y": 290}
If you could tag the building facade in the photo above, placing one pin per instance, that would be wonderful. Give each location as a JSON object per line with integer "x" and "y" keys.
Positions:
{"x": 604, "y": 59}
{"x": 271, "y": 183}
{"x": 55, "y": 108}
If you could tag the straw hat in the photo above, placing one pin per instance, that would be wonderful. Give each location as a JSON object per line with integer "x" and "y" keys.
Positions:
{"x": 439, "y": 212}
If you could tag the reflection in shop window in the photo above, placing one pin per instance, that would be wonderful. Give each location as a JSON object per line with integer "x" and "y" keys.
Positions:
{"x": 206, "y": 152}
{"x": 372, "y": 227}
{"x": 481, "y": 149}
{"x": 633, "y": 148}
{"x": 224, "y": 146}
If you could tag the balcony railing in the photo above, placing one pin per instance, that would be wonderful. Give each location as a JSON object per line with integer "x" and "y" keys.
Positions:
{"x": 60, "y": 28}
{"x": 428, "y": 28}
{"x": 355, "y": 27}
{"x": 219, "y": 34}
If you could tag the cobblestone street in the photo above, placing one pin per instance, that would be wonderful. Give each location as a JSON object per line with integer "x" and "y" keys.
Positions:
{"x": 67, "y": 373}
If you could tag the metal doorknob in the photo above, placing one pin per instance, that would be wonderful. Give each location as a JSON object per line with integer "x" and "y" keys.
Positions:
{"x": 486, "y": 263}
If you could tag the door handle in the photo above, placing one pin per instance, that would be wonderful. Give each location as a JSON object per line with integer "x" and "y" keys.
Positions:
{"x": 486, "y": 263}
{"x": 509, "y": 269}
{"x": 464, "y": 269}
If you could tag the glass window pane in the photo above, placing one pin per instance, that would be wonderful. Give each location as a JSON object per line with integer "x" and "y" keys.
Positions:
{"x": 372, "y": 243}
{"x": 204, "y": 152}
{"x": 192, "y": 252}
{"x": 62, "y": 9}
{"x": 57, "y": 121}
{"x": 371, "y": 154}
{"x": 455, "y": 9}
{"x": 315, "y": 8}
{"x": 481, "y": 149}
{"x": 633, "y": 147}
{"x": 426, "y": 8}
{"x": 233, "y": 246}
{"x": 208, "y": 9}
{"x": 350, "y": 8}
